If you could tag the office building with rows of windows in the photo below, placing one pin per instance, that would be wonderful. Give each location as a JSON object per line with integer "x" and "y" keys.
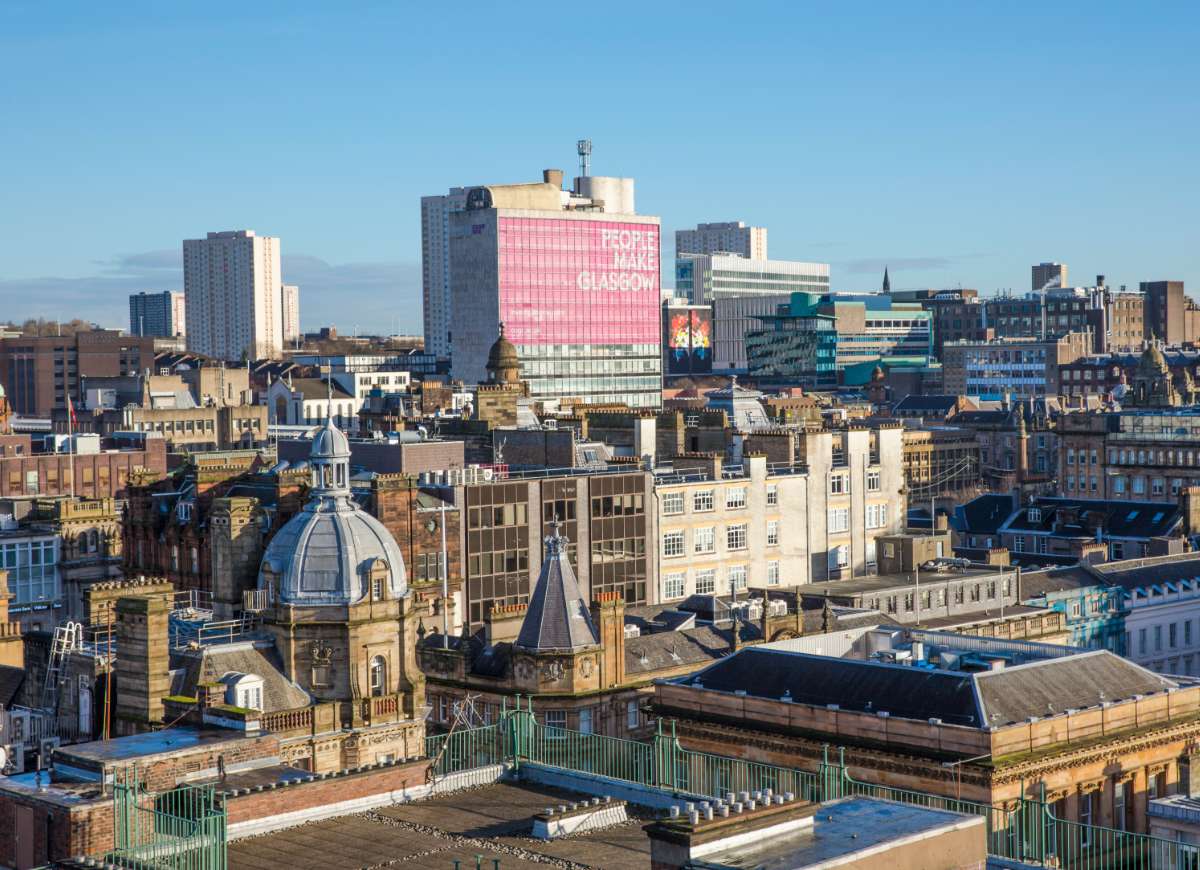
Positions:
{"x": 703, "y": 277}
{"x": 821, "y": 341}
{"x": 602, "y": 517}
{"x": 574, "y": 278}
{"x": 803, "y": 507}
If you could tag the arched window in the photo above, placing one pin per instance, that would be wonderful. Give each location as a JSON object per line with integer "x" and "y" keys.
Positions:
{"x": 378, "y": 676}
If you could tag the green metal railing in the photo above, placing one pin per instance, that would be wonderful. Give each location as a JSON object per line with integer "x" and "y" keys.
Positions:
{"x": 1027, "y": 831}
{"x": 182, "y": 829}
{"x": 466, "y": 750}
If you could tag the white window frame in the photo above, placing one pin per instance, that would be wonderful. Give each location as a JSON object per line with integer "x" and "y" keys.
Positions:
{"x": 735, "y": 498}
{"x": 672, "y": 504}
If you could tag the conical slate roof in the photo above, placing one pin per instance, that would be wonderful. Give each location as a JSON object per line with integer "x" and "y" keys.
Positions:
{"x": 558, "y": 617}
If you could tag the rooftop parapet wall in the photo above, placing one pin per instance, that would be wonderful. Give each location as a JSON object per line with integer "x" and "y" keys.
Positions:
{"x": 768, "y": 714}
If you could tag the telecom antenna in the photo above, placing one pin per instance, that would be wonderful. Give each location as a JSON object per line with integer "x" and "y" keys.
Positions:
{"x": 584, "y": 149}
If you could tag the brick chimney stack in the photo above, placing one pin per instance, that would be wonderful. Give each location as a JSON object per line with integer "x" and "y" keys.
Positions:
{"x": 608, "y": 612}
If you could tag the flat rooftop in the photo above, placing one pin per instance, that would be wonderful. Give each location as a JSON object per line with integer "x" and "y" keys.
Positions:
{"x": 145, "y": 746}
{"x": 840, "y": 831}
{"x": 493, "y": 821}
{"x": 906, "y": 580}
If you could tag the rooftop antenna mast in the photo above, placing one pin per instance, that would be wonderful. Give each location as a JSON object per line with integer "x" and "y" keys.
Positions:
{"x": 584, "y": 148}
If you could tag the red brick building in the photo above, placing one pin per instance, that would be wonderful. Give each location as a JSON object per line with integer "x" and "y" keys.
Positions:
{"x": 39, "y": 373}
{"x": 168, "y": 529}
{"x": 105, "y": 474}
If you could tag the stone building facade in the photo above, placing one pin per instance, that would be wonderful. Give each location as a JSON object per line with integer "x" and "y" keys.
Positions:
{"x": 1134, "y": 455}
{"x": 591, "y": 668}
{"x": 1101, "y": 735}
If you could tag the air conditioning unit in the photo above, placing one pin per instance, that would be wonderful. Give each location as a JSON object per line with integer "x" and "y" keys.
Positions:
{"x": 46, "y": 747}
{"x": 12, "y": 759}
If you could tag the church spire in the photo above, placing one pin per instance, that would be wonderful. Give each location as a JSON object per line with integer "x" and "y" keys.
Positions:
{"x": 887, "y": 283}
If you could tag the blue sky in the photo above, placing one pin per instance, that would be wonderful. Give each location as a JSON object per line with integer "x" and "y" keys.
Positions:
{"x": 957, "y": 142}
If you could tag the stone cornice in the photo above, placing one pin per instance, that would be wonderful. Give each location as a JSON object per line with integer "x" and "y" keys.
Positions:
{"x": 1109, "y": 752}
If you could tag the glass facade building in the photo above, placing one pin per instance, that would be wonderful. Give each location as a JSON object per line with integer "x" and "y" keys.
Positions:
{"x": 603, "y": 518}
{"x": 32, "y": 566}
{"x": 577, "y": 292}
{"x": 705, "y": 277}
{"x": 814, "y": 339}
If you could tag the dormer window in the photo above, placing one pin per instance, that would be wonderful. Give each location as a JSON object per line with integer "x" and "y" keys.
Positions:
{"x": 243, "y": 690}
{"x": 1034, "y": 515}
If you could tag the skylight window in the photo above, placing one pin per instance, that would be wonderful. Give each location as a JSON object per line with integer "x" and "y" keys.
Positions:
{"x": 1132, "y": 516}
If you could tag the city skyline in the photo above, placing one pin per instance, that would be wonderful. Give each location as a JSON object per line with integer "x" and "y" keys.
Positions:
{"x": 904, "y": 138}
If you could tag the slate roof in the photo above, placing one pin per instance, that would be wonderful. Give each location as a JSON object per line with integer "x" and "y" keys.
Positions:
{"x": 989, "y": 698}
{"x": 1035, "y": 584}
{"x": 1051, "y": 687}
{"x": 1135, "y": 573}
{"x": 981, "y": 418}
{"x": 983, "y": 515}
{"x": 315, "y": 388}
{"x": 691, "y": 646}
{"x": 558, "y": 617}
{"x": 10, "y": 684}
{"x": 919, "y": 404}
{"x": 911, "y": 693}
{"x": 1120, "y": 519}
{"x": 210, "y": 663}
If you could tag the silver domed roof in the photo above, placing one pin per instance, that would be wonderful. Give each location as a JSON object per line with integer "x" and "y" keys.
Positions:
{"x": 325, "y": 554}
{"x": 329, "y": 443}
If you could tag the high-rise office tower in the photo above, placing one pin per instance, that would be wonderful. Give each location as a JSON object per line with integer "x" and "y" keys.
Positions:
{"x": 732, "y": 237}
{"x": 435, "y": 266}
{"x": 290, "y": 300}
{"x": 161, "y": 315}
{"x": 232, "y": 283}
{"x": 1049, "y": 276}
{"x": 574, "y": 278}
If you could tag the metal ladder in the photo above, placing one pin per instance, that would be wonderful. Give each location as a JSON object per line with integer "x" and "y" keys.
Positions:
{"x": 67, "y": 639}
